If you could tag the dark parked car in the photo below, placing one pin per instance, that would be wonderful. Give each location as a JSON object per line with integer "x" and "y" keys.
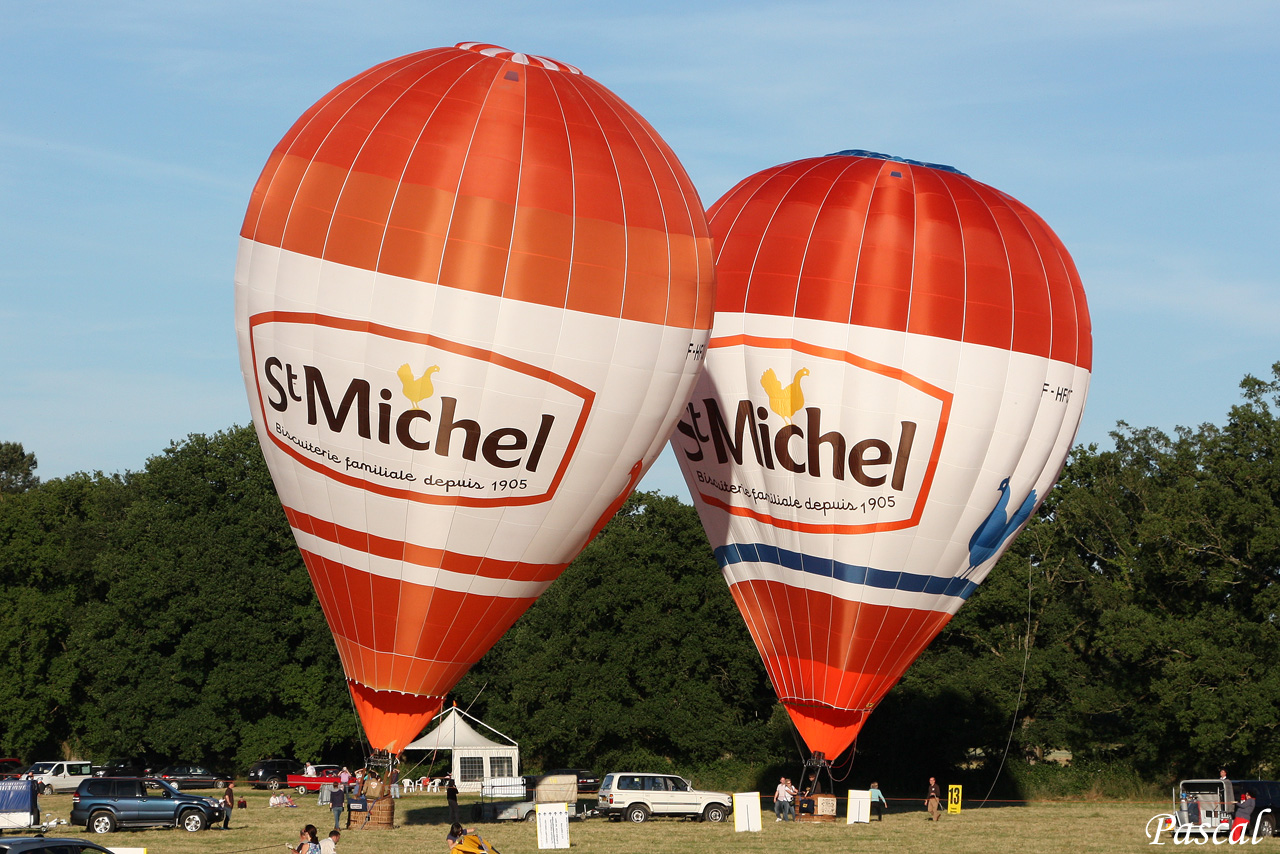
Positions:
{"x": 272, "y": 773}
{"x": 1266, "y": 812}
{"x": 103, "y": 804}
{"x": 10, "y": 767}
{"x": 587, "y": 780}
{"x": 51, "y": 845}
{"x": 123, "y": 767}
{"x": 188, "y": 776}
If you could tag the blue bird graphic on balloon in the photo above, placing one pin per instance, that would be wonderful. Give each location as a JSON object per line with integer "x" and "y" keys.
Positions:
{"x": 996, "y": 528}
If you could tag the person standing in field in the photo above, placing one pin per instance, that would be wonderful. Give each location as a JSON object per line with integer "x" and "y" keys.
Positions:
{"x": 337, "y": 803}
{"x": 228, "y": 804}
{"x": 451, "y": 796}
{"x": 781, "y": 800}
{"x": 1244, "y": 812}
{"x": 878, "y": 803}
{"x": 933, "y": 800}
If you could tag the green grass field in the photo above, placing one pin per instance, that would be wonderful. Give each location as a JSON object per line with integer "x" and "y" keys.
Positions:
{"x": 421, "y": 824}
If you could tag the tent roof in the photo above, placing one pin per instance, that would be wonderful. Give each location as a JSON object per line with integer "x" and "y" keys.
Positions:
{"x": 453, "y": 731}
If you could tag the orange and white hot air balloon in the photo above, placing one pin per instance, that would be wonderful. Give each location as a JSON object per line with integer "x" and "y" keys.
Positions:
{"x": 472, "y": 295}
{"x": 897, "y": 369}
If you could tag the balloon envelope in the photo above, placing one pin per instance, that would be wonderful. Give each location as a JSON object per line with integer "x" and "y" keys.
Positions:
{"x": 898, "y": 365}
{"x": 472, "y": 293}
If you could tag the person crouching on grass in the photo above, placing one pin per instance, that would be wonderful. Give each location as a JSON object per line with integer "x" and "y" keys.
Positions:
{"x": 466, "y": 841}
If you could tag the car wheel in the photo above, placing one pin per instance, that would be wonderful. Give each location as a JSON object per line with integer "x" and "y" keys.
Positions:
{"x": 531, "y": 815}
{"x": 192, "y": 821}
{"x": 102, "y": 822}
{"x": 273, "y": 783}
{"x": 46, "y": 789}
{"x": 714, "y": 812}
{"x": 1267, "y": 826}
{"x": 302, "y": 790}
{"x": 637, "y": 814}
{"x": 219, "y": 784}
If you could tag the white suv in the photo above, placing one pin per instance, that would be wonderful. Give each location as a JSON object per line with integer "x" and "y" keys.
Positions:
{"x": 59, "y": 776}
{"x": 638, "y": 796}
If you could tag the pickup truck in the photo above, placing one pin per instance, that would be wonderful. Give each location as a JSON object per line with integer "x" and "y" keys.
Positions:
{"x": 312, "y": 782}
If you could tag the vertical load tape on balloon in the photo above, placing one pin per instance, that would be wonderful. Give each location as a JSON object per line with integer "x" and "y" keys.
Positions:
{"x": 896, "y": 372}
{"x": 472, "y": 294}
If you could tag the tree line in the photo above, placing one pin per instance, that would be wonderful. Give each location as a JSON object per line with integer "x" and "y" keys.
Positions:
{"x": 165, "y": 613}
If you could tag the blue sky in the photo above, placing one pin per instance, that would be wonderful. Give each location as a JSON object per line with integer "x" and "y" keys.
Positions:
{"x": 131, "y": 133}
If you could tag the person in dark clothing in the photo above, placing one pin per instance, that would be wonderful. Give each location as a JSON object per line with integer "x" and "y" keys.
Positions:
{"x": 337, "y": 803}
{"x": 933, "y": 800}
{"x": 451, "y": 795}
{"x": 228, "y": 804}
{"x": 1244, "y": 812}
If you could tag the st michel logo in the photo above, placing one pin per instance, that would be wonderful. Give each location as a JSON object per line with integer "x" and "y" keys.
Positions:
{"x": 415, "y": 428}
{"x": 800, "y": 445}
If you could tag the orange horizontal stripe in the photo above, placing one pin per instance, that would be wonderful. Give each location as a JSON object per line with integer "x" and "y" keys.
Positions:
{"x": 479, "y": 244}
{"x": 422, "y": 555}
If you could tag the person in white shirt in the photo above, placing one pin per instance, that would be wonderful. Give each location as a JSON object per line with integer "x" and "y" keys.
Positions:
{"x": 783, "y": 808}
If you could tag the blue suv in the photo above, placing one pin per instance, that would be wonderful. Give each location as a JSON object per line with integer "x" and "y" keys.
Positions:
{"x": 103, "y": 804}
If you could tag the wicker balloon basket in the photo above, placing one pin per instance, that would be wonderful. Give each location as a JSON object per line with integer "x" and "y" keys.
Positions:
{"x": 381, "y": 816}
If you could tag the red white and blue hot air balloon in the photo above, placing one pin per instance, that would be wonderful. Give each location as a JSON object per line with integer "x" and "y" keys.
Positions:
{"x": 897, "y": 368}
{"x": 472, "y": 294}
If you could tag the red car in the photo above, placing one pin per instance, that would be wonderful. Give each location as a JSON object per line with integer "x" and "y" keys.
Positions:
{"x": 312, "y": 782}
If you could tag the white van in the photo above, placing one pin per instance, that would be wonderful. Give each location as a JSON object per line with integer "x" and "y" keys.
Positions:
{"x": 59, "y": 776}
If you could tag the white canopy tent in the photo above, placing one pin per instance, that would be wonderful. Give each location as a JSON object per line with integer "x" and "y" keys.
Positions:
{"x": 475, "y": 757}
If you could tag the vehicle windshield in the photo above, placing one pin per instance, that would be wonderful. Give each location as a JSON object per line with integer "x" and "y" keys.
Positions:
{"x": 42, "y": 767}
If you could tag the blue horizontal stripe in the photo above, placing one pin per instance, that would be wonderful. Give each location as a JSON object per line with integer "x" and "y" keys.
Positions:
{"x": 885, "y": 579}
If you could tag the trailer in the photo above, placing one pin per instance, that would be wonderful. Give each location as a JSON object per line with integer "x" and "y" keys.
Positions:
{"x": 1204, "y": 807}
{"x": 20, "y": 807}
{"x": 517, "y": 798}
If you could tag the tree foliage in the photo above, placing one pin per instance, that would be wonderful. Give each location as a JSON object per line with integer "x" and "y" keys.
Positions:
{"x": 167, "y": 613}
{"x": 17, "y": 469}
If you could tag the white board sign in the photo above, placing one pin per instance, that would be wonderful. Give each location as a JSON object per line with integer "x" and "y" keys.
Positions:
{"x": 553, "y": 825}
{"x": 859, "y": 806}
{"x": 746, "y": 811}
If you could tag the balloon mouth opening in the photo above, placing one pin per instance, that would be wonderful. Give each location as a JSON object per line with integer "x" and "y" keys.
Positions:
{"x": 825, "y": 729}
{"x": 392, "y": 719}
{"x": 875, "y": 155}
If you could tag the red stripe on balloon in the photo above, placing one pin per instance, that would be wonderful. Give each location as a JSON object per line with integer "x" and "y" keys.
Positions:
{"x": 392, "y": 549}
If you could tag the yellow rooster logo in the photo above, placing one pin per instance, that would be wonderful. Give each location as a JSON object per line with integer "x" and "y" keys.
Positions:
{"x": 417, "y": 390}
{"x": 784, "y": 400}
